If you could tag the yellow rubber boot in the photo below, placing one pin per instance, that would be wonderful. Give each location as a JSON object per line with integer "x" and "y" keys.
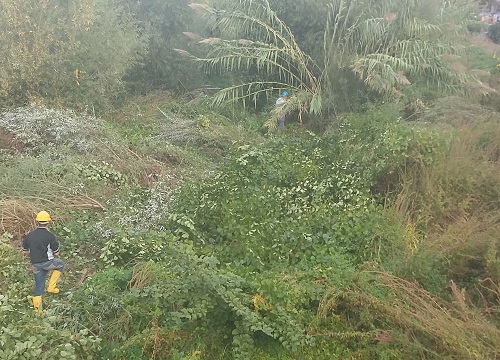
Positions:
{"x": 52, "y": 282}
{"x": 37, "y": 304}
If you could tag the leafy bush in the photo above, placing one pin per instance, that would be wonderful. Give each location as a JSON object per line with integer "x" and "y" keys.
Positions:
{"x": 49, "y": 51}
{"x": 494, "y": 32}
{"x": 183, "y": 294}
{"x": 477, "y": 27}
{"x": 23, "y": 333}
{"x": 308, "y": 194}
{"x": 101, "y": 172}
{"x": 308, "y": 201}
{"x": 298, "y": 247}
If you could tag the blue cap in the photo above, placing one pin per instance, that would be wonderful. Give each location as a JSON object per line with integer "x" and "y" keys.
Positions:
{"x": 284, "y": 93}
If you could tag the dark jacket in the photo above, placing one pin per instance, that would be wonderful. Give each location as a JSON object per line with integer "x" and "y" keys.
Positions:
{"x": 41, "y": 244}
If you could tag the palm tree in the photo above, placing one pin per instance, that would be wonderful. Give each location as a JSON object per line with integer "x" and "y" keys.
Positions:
{"x": 256, "y": 39}
{"x": 384, "y": 43}
{"x": 385, "y": 47}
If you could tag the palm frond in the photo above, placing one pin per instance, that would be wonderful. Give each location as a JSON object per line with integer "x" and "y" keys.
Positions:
{"x": 264, "y": 58}
{"x": 378, "y": 71}
{"x": 250, "y": 91}
{"x": 265, "y": 44}
{"x": 384, "y": 43}
{"x": 418, "y": 29}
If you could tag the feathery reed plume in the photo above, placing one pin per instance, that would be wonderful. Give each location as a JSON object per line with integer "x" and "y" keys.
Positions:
{"x": 200, "y": 8}
{"x": 192, "y": 35}
{"x": 211, "y": 41}
{"x": 183, "y": 53}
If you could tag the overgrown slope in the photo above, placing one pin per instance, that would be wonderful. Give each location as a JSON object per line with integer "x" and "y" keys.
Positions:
{"x": 188, "y": 237}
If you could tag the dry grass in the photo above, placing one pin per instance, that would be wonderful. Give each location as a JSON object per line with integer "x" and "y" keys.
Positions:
{"x": 144, "y": 169}
{"x": 17, "y": 215}
{"x": 454, "y": 327}
{"x": 158, "y": 340}
{"x": 460, "y": 186}
{"x": 419, "y": 320}
{"x": 489, "y": 292}
{"x": 143, "y": 275}
{"x": 456, "y": 203}
{"x": 141, "y": 107}
{"x": 483, "y": 42}
{"x": 466, "y": 236}
{"x": 82, "y": 202}
{"x": 457, "y": 111}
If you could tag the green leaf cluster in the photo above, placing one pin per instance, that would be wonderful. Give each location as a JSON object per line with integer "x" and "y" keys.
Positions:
{"x": 76, "y": 53}
{"x": 372, "y": 48}
{"x": 23, "y": 333}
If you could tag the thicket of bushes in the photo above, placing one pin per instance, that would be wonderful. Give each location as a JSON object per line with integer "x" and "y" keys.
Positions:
{"x": 374, "y": 240}
{"x": 191, "y": 233}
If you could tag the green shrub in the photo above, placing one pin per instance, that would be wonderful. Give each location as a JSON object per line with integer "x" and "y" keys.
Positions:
{"x": 494, "y": 32}
{"x": 23, "y": 333}
{"x": 477, "y": 27}
{"x": 49, "y": 51}
{"x": 296, "y": 202}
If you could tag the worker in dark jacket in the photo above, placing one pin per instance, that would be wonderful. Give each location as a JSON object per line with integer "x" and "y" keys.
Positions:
{"x": 43, "y": 249}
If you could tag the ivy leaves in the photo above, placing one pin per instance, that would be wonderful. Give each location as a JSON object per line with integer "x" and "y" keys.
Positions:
{"x": 296, "y": 201}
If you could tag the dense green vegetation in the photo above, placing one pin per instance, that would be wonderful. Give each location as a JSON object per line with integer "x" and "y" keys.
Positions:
{"x": 192, "y": 229}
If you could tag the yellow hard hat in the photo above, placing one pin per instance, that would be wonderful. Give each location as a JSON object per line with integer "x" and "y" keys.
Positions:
{"x": 43, "y": 216}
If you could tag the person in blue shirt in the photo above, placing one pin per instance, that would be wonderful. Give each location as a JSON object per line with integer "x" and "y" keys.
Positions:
{"x": 43, "y": 250}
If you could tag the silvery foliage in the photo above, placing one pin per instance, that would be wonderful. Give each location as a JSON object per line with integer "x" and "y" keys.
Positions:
{"x": 145, "y": 211}
{"x": 36, "y": 126}
{"x": 156, "y": 205}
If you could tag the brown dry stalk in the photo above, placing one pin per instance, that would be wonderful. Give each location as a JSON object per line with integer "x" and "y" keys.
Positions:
{"x": 183, "y": 53}
{"x": 489, "y": 291}
{"x": 202, "y": 8}
{"x": 211, "y": 41}
{"x": 191, "y": 35}
{"x": 82, "y": 202}
{"x": 408, "y": 311}
{"x": 16, "y": 216}
{"x": 458, "y": 329}
{"x": 141, "y": 276}
{"x": 159, "y": 340}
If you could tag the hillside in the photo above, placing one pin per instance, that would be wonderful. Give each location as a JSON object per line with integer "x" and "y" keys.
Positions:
{"x": 194, "y": 227}
{"x": 188, "y": 237}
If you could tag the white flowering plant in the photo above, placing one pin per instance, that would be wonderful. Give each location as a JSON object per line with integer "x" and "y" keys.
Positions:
{"x": 37, "y": 127}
